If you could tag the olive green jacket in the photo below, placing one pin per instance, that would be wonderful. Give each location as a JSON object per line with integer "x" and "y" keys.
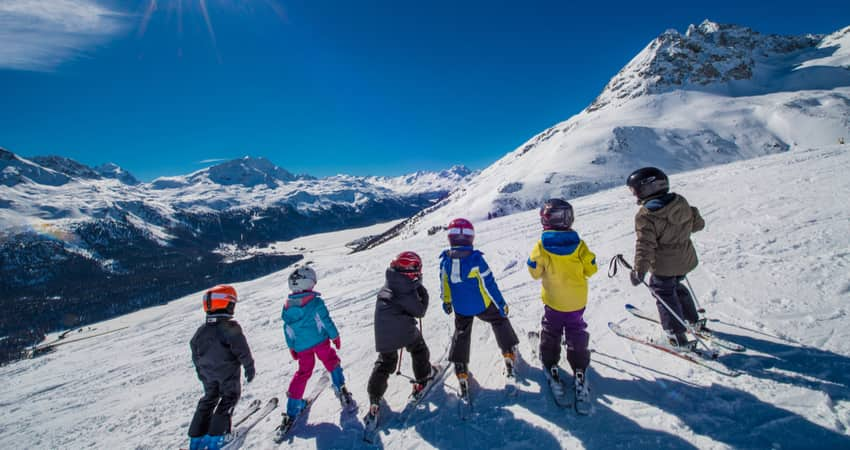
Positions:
{"x": 663, "y": 227}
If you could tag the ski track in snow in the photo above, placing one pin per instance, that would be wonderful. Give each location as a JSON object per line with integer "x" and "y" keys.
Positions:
{"x": 774, "y": 260}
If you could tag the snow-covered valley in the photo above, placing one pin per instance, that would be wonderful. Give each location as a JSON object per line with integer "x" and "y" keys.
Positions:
{"x": 774, "y": 262}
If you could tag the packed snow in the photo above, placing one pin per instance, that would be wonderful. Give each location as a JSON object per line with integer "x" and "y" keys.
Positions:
{"x": 774, "y": 262}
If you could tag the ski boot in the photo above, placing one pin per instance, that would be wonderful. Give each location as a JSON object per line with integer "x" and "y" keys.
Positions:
{"x": 680, "y": 341}
{"x": 294, "y": 407}
{"x": 582, "y": 390}
{"x": 217, "y": 442}
{"x": 198, "y": 443}
{"x": 510, "y": 362}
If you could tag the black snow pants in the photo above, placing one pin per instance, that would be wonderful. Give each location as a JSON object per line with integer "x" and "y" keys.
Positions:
{"x": 677, "y": 297}
{"x": 212, "y": 416}
{"x": 386, "y": 364}
{"x": 505, "y": 335}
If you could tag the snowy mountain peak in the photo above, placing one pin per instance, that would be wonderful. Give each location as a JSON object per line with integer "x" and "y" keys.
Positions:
{"x": 248, "y": 171}
{"x": 67, "y": 166}
{"x": 709, "y": 56}
{"x": 112, "y": 170}
{"x": 15, "y": 170}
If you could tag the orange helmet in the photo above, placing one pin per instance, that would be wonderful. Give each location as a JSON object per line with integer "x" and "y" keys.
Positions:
{"x": 219, "y": 297}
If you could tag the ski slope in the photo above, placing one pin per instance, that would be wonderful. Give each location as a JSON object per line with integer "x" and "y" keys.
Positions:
{"x": 774, "y": 260}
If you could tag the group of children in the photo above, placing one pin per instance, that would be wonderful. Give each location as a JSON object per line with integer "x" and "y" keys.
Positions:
{"x": 560, "y": 259}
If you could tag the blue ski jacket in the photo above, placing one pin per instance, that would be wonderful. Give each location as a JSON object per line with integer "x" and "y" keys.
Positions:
{"x": 306, "y": 321}
{"x": 467, "y": 282}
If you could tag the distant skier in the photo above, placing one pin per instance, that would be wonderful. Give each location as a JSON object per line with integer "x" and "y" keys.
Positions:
{"x": 309, "y": 332}
{"x": 218, "y": 349}
{"x": 469, "y": 290}
{"x": 563, "y": 262}
{"x": 401, "y": 301}
{"x": 663, "y": 225}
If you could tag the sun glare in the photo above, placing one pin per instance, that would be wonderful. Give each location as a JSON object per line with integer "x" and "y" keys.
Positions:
{"x": 176, "y": 6}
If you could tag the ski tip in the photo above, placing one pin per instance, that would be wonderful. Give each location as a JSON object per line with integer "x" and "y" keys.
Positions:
{"x": 630, "y": 306}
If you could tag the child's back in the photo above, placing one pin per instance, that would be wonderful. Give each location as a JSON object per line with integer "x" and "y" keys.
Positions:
{"x": 563, "y": 262}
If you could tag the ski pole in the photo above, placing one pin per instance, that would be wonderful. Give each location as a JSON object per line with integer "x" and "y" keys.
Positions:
{"x": 694, "y": 295}
{"x": 620, "y": 259}
{"x": 400, "y": 358}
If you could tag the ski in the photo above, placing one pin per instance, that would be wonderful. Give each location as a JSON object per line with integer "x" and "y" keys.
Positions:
{"x": 282, "y": 432}
{"x": 728, "y": 345}
{"x": 371, "y": 423}
{"x": 556, "y": 385}
{"x": 255, "y": 414}
{"x": 695, "y": 356}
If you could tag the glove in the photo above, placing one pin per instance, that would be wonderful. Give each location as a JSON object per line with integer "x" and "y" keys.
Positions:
{"x": 447, "y": 308}
{"x": 336, "y": 342}
{"x": 636, "y": 278}
{"x": 294, "y": 355}
{"x": 249, "y": 374}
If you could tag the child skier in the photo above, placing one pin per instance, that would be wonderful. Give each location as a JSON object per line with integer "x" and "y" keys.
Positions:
{"x": 663, "y": 225}
{"x": 401, "y": 301}
{"x": 469, "y": 289}
{"x": 564, "y": 263}
{"x": 309, "y": 332}
{"x": 218, "y": 349}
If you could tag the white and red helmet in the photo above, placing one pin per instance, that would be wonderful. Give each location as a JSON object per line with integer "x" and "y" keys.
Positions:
{"x": 408, "y": 264}
{"x": 461, "y": 233}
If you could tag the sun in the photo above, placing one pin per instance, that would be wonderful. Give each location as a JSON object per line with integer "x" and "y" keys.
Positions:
{"x": 179, "y": 6}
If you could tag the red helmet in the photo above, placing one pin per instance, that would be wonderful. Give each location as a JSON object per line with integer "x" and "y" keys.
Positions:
{"x": 221, "y": 297}
{"x": 408, "y": 264}
{"x": 461, "y": 233}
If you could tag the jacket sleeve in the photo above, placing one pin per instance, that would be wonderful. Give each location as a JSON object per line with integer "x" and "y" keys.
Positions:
{"x": 588, "y": 260}
{"x": 411, "y": 303}
{"x": 490, "y": 284}
{"x": 537, "y": 261}
{"x": 699, "y": 222}
{"x": 239, "y": 346}
{"x": 290, "y": 340}
{"x": 445, "y": 289}
{"x": 196, "y": 357}
{"x": 327, "y": 323}
{"x": 645, "y": 245}
{"x": 423, "y": 294}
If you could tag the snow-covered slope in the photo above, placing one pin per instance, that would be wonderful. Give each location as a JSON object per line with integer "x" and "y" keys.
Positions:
{"x": 716, "y": 94}
{"x": 774, "y": 262}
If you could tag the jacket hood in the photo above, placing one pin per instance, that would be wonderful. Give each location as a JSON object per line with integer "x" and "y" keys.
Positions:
{"x": 560, "y": 242}
{"x": 674, "y": 208}
{"x": 292, "y": 310}
{"x": 399, "y": 283}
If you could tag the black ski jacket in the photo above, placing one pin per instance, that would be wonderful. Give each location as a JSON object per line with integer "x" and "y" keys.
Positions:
{"x": 400, "y": 302}
{"x": 218, "y": 349}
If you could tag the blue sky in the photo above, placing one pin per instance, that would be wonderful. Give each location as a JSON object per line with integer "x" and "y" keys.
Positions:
{"x": 323, "y": 87}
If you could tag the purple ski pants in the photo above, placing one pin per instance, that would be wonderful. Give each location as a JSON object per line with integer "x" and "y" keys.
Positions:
{"x": 571, "y": 327}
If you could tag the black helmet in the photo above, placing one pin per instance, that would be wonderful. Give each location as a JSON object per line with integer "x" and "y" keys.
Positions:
{"x": 556, "y": 214}
{"x": 648, "y": 182}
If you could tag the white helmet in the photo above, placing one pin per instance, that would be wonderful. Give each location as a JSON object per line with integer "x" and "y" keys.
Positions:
{"x": 302, "y": 279}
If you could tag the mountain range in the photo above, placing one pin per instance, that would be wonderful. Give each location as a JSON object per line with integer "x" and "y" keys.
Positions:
{"x": 82, "y": 243}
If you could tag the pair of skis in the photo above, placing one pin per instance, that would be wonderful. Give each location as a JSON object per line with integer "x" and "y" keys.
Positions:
{"x": 577, "y": 398}
{"x": 698, "y": 356}
{"x": 255, "y": 413}
{"x": 372, "y": 422}
{"x": 347, "y": 403}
